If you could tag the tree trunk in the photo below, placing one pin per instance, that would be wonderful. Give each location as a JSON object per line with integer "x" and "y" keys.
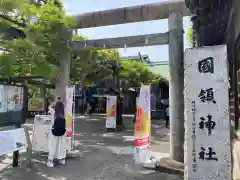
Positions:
{"x": 116, "y": 82}
{"x": 119, "y": 119}
{"x": 63, "y": 77}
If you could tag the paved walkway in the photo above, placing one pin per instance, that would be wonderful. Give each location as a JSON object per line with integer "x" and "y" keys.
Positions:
{"x": 236, "y": 157}
{"x": 103, "y": 156}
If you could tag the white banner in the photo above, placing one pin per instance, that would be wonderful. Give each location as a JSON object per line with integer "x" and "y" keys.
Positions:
{"x": 3, "y": 99}
{"x": 142, "y": 131}
{"x": 111, "y": 112}
{"x": 69, "y": 110}
{"x": 207, "y": 128}
{"x": 69, "y": 116}
{"x": 12, "y": 140}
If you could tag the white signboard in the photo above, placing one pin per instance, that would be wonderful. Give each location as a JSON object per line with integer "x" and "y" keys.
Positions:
{"x": 42, "y": 129}
{"x": 12, "y": 140}
{"x": 111, "y": 112}
{"x": 207, "y": 128}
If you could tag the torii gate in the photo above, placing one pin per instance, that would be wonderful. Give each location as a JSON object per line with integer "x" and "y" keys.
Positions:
{"x": 173, "y": 10}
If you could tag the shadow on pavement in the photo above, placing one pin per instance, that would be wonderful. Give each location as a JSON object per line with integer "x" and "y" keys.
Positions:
{"x": 103, "y": 156}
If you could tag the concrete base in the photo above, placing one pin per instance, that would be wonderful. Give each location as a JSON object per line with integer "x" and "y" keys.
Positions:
{"x": 171, "y": 166}
{"x": 28, "y": 165}
{"x": 73, "y": 154}
{"x": 167, "y": 165}
{"x": 120, "y": 128}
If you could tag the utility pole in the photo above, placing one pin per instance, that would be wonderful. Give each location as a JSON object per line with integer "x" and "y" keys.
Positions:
{"x": 176, "y": 86}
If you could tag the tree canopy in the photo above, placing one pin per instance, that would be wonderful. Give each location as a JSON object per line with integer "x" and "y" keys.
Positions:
{"x": 134, "y": 73}
{"x": 37, "y": 53}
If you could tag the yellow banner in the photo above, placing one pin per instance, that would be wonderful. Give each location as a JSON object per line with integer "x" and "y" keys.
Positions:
{"x": 142, "y": 130}
{"x": 143, "y": 120}
{"x": 69, "y": 124}
{"x": 69, "y": 111}
{"x": 111, "y": 112}
{"x": 142, "y": 126}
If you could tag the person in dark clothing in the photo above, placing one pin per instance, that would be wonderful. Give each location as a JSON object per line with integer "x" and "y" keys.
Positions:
{"x": 88, "y": 101}
{"x": 93, "y": 104}
{"x": 57, "y": 135}
{"x": 119, "y": 110}
{"x": 167, "y": 118}
{"x": 59, "y": 109}
{"x": 59, "y": 126}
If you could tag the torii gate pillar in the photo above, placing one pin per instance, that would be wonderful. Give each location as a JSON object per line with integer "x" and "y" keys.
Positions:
{"x": 176, "y": 86}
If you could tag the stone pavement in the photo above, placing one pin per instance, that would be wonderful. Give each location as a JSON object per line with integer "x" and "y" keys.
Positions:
{"x": 236, "y": 164}
{"x": 103, "y": 156}
{"x": 236, "y": 158}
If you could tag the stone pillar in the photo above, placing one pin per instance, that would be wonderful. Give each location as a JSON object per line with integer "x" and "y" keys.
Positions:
{"x": 176, "y": 86}
{"x": 63, "y": 77}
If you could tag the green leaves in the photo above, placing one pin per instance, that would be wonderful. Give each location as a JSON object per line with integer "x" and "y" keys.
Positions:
{"x": 45, "y": 41}
{"x": 39, "y": 52}
{"x": 134, "y": 73}
{"x": 90, "y": 65}
{"x": 190, "y": 36}
{"x": 10, "y": 5}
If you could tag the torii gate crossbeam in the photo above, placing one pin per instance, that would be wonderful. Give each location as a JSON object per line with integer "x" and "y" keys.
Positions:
{"x": 121, "y": 42}
{"x": 146, "y": 12}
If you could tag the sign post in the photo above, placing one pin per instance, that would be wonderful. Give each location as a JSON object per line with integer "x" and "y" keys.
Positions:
{"x": 142, "y": 127}
{"x": 111, "y": 112}
{"x": 207, "y": 128}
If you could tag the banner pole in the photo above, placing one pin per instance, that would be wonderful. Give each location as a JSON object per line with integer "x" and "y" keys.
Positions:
{"x": 73, "y": 127}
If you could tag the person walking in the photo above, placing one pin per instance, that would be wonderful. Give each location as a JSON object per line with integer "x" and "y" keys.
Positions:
{"x": 57, "y": 137}
{"x": 88, "y": 101}
{"x": 167, "y": 118}
{"x": 88, "y": 109}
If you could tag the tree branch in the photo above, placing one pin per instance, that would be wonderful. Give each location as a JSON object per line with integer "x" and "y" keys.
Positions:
{"x": 7, "y": 18}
